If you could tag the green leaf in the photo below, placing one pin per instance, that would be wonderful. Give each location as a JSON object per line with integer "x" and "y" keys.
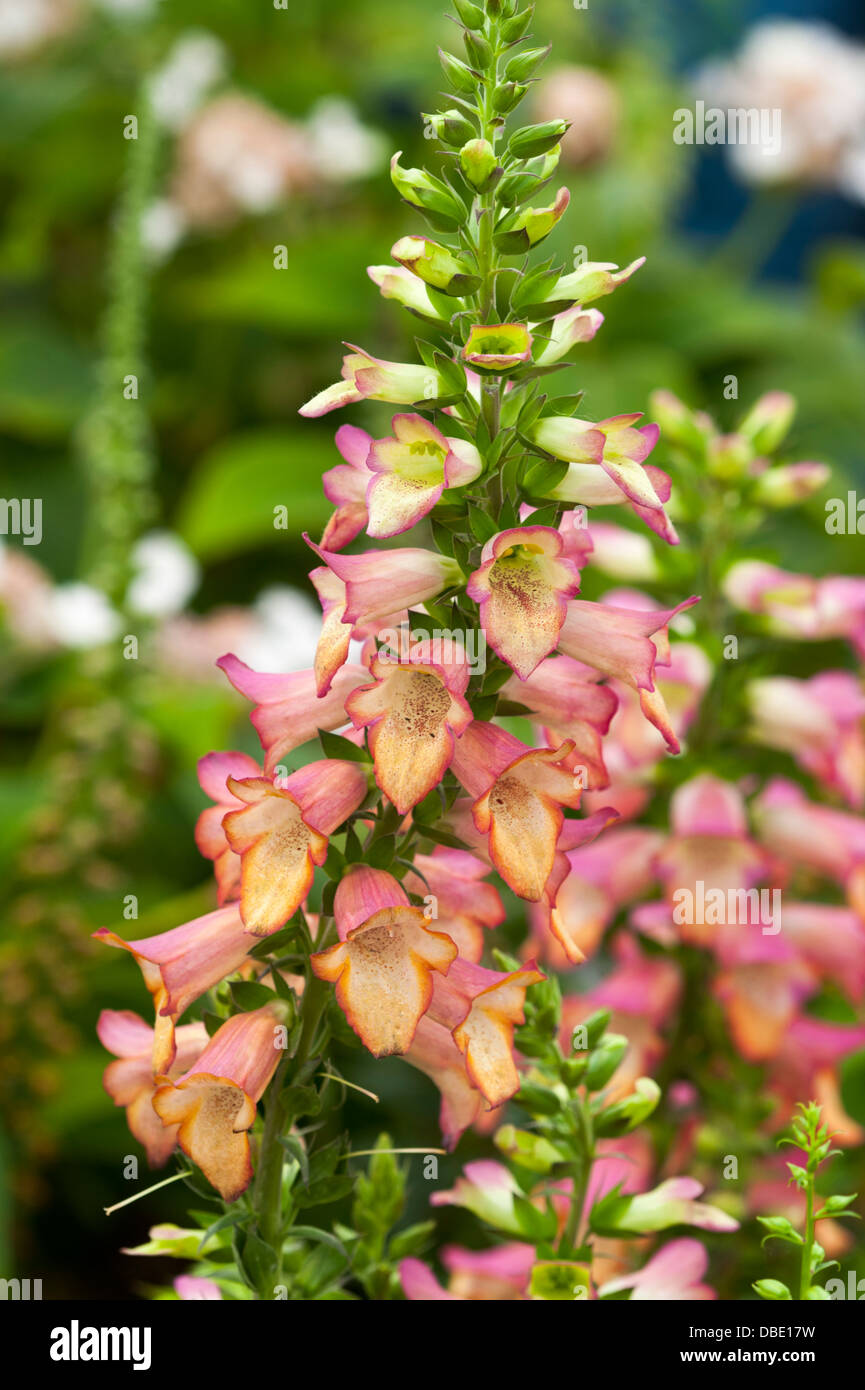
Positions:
{"x": 335, "y": 746}
{"x": 237, "y": 487}
{"x": 297, "y": 1149}
{"x": 318, "y": 1236}
{"x": 537, "y": 1225}
{"x": 248, "y": 994}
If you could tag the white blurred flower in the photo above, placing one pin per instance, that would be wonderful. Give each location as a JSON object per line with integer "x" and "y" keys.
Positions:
{"x": 238, "y": 155}
{"x": 26, "y": 24}
{"x": 194, "y": 65}
{"x": 815, "y": 76}
{"x": 285, "y": 631}
{"x": 342, "y": 147}
{"x": 80, "y": 616}
{"x": 162, "y": 227}
{"x": 166, "y": 575}
{"x": 134, "y": 9}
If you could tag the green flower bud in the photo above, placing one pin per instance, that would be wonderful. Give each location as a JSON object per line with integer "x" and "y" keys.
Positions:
{"x": 428, "y": 193}
{"x": 729, "y": 457}
{"x": 790, "y": 483}
{"x": 624, "y": 1115}
{"x": 536, "y": 139}
{"x": 520, "y": 68}
{"x": 512, "y": 30}
{"x": 452, "y": 127}
{"x": 472, "y": 16}
{"x": 479, "y": 52}
{"x": 529, "y": 1150}
{"x": 506, "y": 96}
{"x": 521, "y": 231}
{"x": 459, "y": 74}
{"x": 605, "y": 1060}
{"x": 768, "y": 421}
{"x": 478, "y": 162}
{"x": 435, "y": 265}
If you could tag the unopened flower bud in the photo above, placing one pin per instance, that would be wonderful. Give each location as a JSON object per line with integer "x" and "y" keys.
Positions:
{"x": 768, "y": 421}
{"x": 478, "y": 162}
{"x": 790, "y": 483}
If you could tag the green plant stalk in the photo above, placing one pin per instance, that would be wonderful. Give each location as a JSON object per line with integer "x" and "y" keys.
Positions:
{"x": 267, "y": 1193}
{"x": 807, "y": 1248}
{"x": 582, "y": 1173}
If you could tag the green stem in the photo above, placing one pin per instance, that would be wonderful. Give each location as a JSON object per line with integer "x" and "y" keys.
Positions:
{"x": 805, "y": 1270}
{"x": 582, "y": 1172}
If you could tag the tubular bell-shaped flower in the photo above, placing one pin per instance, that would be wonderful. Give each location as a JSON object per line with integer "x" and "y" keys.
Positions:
{"x": 379, "y": 583}
{"x": 618, "y": 642}
{"x": 463, "y": 904}
{"x": 498, "y": 347}
{"x": 481, "y": 1008}
{"x": 281, "y": 833}
{"x": 522, "y": 588}
{"x": 365, "y": 377}
{"x": 382, "y": 965}
{"x": 288, "y": 712}
{"x": 214, "y": 771}
{"x": 214, "y": 1102}
{"x": 345, "y": 486}
{"x": 518, "y": 797}
{"x": 565, "y": 697}
{"x": 129, "y": 1080}
{"x": 411, "y": 470}
{"x": 616, "y": 446}
{"x": 179, "y": 965}
{"x": 413, "y": 711}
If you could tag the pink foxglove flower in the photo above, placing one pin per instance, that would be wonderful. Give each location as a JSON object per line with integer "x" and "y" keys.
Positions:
{"x": 214, "y": 771}
{"x": 288, "y": 711}
{"x": 379, "y": 583}
{"x": 675, "y": 1272}
{"x": 464, "y": 905}
{"x": 179, "y": 965}
{"x": 281, "y": 833}
{"x": 345, "y": 486}
{"x": 518, "y": 795}
{"x": 619, "y": 448}
{"x": 820, "y": 721}
{"x": 382, "y": 965}
{"x": 129, "y": 1080}
{"x": 214, "y": 1101}
{"x": 522, "y": 589}
{"x": 410, "y": 471}
{"x": 370, "y": 378}
{"x": 481, "y": 1008}
{"x": 618, "y": 642}
{"x": 413, "y": 713}
{"x": 564, "y": 697}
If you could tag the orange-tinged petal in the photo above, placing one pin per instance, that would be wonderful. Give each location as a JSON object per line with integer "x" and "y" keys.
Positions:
{"x": 486, "y": 1035}
{"x": 382, "y": 972}
{"x": 212, "y": 1115}
{"x": 412, "y": 715}
{"x": 278, "y": 851}
{"x": 522, "y": 815}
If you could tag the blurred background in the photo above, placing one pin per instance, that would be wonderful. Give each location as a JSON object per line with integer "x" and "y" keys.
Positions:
{"x": 149, "y": 396}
